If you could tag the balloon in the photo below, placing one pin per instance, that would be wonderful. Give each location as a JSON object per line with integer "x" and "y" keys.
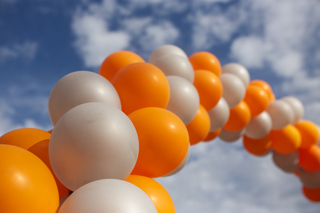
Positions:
{"x": 258, "y": 147}
{"x": 238, "y": 70}
{"x": 309, "y": 133}
{"x": 265, "y": 86}
{"x": 77, "y": 88}
{"x": 141, "y": 85}
{"x": 309, "y": 159}
{"x": 281, "y": 114}
{"x": 24, "y": 137}
{"x": 257, "y": 100}
{"x": 239, "y": 117}
{"x": 219, "y": 115}
{"x": 310, "y": 179}
{"x": 318, "y": 141}
{"x": 286, "y": 162}
{"x": 182, "y": 164}
{"x": 163, "y": 140}
{"x": 199, "y": 127}
{"x": 233, "y": 89}
{"x": 106, "y": 196}
{"x": 157, "y": 193}
{"x": 286, "y": 140}
{"x": 259, "y": 126}
{"x": 212, "y": 135}
{"x": 231, "y": 136}
{"x": 176, "y": 65}
{"x": 205, "y": 61}
{"x": 209, "y": 88}
{"x": 311, "y": 194}
{"x": 41, "y": 150}
{"x": 167, "y": 49}
{"x": 116, "y": 61}
{"x": 296, "y": 106}
{"x": 184, "y": 99}
{"x": 26, "y": 183}
{"x": 93, "y": 141}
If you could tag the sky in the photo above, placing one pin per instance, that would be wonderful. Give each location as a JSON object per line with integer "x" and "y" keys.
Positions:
{"x": 276, "y": 40}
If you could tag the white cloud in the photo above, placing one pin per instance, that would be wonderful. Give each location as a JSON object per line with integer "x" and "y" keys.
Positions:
{"x": 26, "y": 50}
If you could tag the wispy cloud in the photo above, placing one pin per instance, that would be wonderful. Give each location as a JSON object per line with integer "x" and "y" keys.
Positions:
{"x": 26, "y": 50}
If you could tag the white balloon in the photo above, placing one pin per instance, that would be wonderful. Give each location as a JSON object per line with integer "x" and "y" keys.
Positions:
{"x": 234, "y": 89}
{"x": 108, "y": 196}
{"x": 93, "y": 141}
{"x": 231, "y": 136}
{"x": 182, "y": 165}
{"x": 219, "y": 115}
{"x": 171, "y": 64}
{"x": 259, "y": 126}
{"x": 297, "y": 107}
{"x": 238, "y": 70}
{"x": 184, "y": 99}
{"x": 77, "y": 88}
{"x": 310, "y": 179}
{"x": 281, "y": 114}
{"x": 164, "y": 50}
{"x": 288, "y": 163}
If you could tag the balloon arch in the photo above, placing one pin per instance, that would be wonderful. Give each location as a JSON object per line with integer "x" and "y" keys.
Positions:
{"x": 134, "y": 121}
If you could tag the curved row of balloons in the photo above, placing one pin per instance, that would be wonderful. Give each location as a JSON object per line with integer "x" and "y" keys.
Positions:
{"x": 134, "y": 121}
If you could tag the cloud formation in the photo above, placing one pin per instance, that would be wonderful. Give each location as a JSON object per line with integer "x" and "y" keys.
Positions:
{"x": 26, "y": 50}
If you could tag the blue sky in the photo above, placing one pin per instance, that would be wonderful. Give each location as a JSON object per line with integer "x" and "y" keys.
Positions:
{"x": 277, "y": 41}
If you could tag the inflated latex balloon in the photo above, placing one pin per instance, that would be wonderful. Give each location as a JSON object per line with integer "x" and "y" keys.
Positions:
{"x": 167, "y": 49}
{"x": 259, "y": 126}
{"x": 172, "y": 64}
{"x": 209, "y": 88}
{"x": 309, "y": 133}
{"x": 258, "y": 147}
{"x": 311, "y": 194}
{"x": 93, "y": 141}
{"x": 182, "y": 164}
{"x": 239, "y": 117}
{"x": 286, "y": 140}
{"x": 234, "y": 89}
{"x": 41, "y": 150}
{"x": 309, "y": 159}
{"x": 286, "y": 162}
{"x": 184, "y": 99}
{"x": 205, "y": 61}
{"x": 238, "y": 70}
{"x": 26, "y": 183}
{"x": 265, "y": 86}
{"x": 281, "y": 114}
{"x": 116, "y": 61}
{"x": 231, "y": 136}
{"x": 156, "y": 192}
{"x": 141, "y": 85}
{"x": 77, "y": 88}
{"x": 199, "y": 127}
{"x": 163, "y": 141}
{"x": 257, "y": 99}
{"x": 212, "y": 135}
{"x": 24, "y": 137}
{"x": 106, "y": 196}
{"x": 297, "y": 107}
{"x": 219, "y": 115}
{"x": 310, "y": 179}
{"x": 318, "y": 141}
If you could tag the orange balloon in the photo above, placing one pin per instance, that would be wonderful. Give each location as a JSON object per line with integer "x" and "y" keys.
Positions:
{"x": 199, "y": 127}
{"x": 157, "y": 193}
{"x": 257, "y": 147}
{"x": 286, "y": 140}
{"x": 257, "y": 99}
{"x": 212, "y": 135}
{"x": 24, "y": 137}
{"x": 209, "y": 88}
{"x": 239, "y": 117}
{"x": 311, "y": 194}
{"x": 163, "y": 141}
{"x": 309, "y": 133}
{"x": 141, "y": 85}
{"x": 41, "y": 150}
{"x": 116, "y": 61}
{"x": 26, "y": 183}
{"x": 265, "y": 86}
{"x": 309, "y": 158}
{"x": 205, "y": 61}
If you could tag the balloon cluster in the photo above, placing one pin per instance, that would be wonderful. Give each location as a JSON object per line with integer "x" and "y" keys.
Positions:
{"x": 116, "y": 130}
